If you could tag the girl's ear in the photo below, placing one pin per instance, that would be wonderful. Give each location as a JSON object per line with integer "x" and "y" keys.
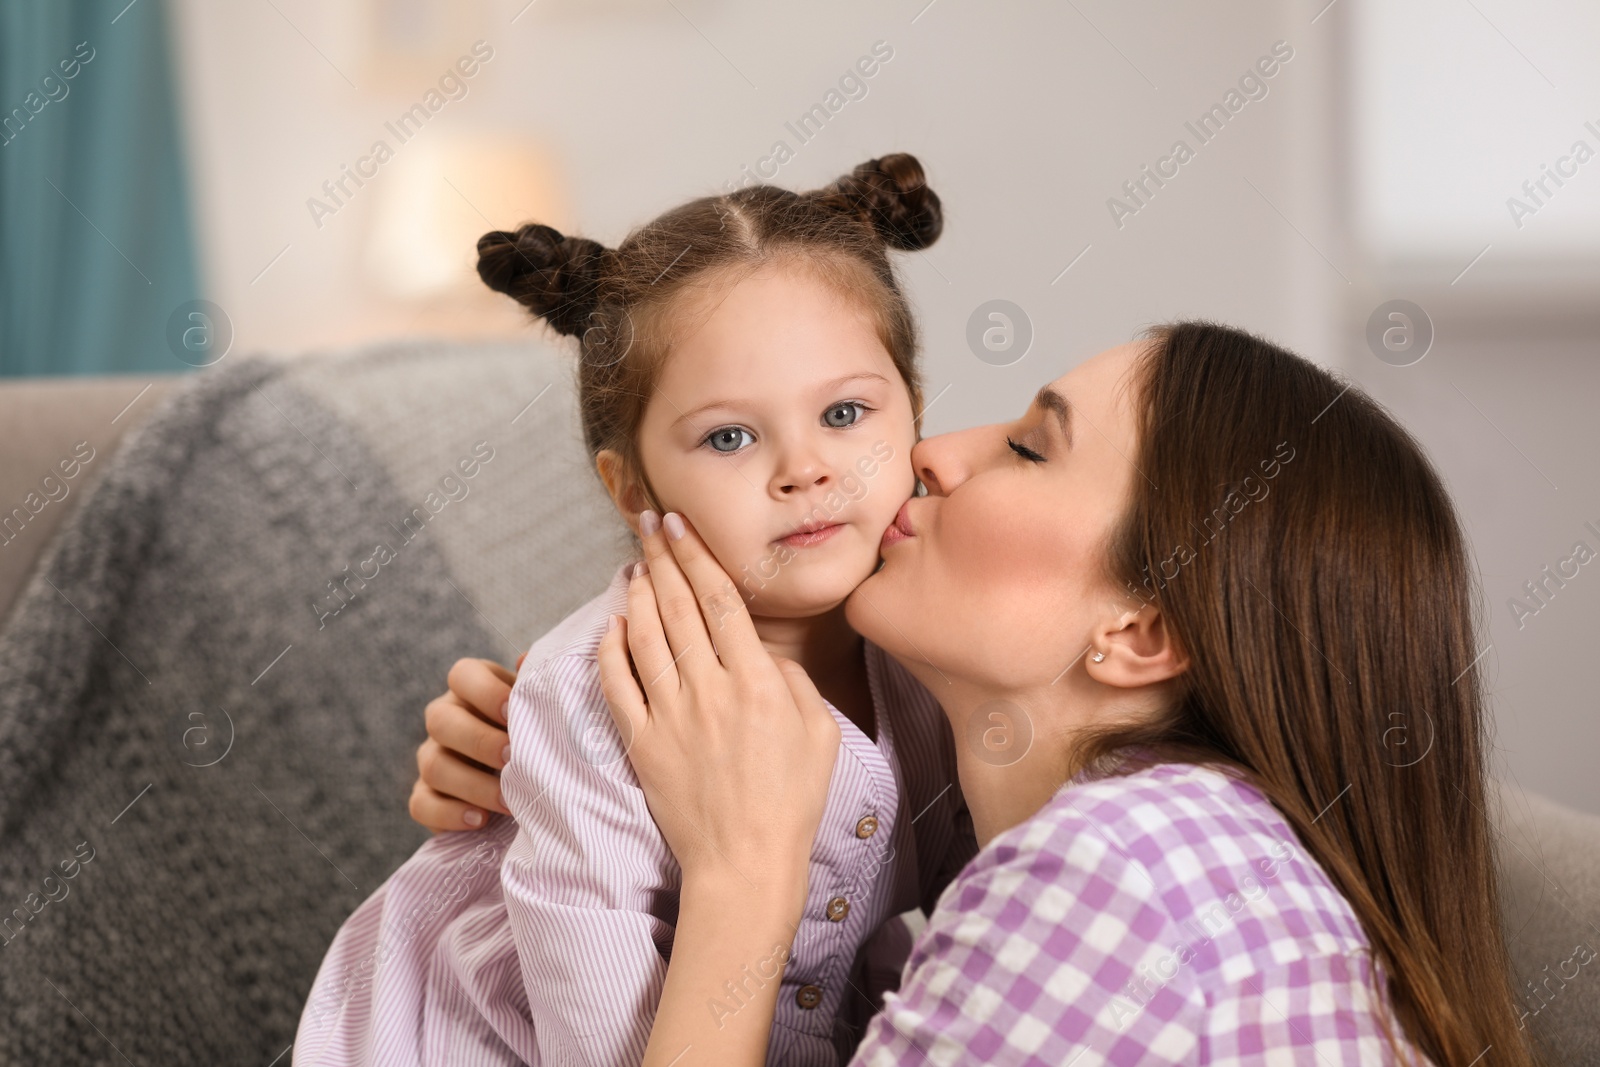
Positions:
{"x": 626, "y": 492}
{"x": 1136, "y": 648}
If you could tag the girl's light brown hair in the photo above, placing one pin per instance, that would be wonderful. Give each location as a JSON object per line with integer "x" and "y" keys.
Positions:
{"x": 626, "y": 304}
{"x": 1334, "y": 664}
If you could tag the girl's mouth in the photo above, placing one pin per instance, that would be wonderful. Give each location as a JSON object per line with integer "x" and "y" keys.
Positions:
{"x": 805, "y": 538}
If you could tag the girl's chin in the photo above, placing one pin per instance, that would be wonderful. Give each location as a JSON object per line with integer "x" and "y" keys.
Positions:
{"x": 804, "y": 596}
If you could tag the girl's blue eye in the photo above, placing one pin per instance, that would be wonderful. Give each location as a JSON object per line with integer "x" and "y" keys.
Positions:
{"x": 728, "y": 439}
{"x": 842, "y": 415}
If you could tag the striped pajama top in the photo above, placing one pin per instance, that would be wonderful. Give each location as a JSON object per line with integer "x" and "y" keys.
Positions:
{"x": 543, "y": 938}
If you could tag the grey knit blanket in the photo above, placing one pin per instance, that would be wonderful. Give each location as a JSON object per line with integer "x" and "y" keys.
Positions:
{"x": 211, "y": 694}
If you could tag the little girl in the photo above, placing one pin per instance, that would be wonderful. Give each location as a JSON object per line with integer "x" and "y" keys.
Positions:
{"x": 748, "y": 361}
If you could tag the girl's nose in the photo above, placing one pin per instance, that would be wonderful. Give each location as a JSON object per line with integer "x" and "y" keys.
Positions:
{"x": 801, "y": 480}
{"x": 802, "y": 470}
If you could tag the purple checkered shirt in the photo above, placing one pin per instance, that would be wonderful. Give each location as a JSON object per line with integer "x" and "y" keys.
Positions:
{"x": 1168, "y": 916}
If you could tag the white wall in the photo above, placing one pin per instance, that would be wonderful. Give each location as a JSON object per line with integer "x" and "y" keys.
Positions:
{"x": 1454, "y": 106}
{"x": 1029, "y": 116}
{"x": 1461, "y": 104}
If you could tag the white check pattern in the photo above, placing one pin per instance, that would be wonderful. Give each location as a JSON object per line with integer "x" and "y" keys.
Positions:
{"x": 1170, "y": 916}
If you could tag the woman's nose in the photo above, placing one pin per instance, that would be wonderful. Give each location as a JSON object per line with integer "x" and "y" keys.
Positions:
{"x": 945, "y": 461}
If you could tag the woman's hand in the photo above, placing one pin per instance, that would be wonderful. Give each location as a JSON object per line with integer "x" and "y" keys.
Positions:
{"x": 458, "y": 766}
{"x": 735, "y": 753}
{"x": 734, "y": 749}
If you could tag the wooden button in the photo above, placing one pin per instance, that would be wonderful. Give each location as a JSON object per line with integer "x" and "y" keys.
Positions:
{"x": 838, "y": 908}
{"x": 808, "y": 996}
{"x": 866, "y": 827}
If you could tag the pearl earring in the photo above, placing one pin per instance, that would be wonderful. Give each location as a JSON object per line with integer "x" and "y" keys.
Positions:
{"x": 1098, "y": 657}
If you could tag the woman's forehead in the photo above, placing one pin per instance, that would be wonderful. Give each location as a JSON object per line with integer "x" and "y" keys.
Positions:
{"x": 1096, "y": 383}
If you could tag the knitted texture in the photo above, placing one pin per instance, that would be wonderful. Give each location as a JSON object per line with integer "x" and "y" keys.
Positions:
{"x": 203, "y": 765}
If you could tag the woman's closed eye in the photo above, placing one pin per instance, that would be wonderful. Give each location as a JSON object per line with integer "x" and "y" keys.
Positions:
{"x": 1024, "y": 451}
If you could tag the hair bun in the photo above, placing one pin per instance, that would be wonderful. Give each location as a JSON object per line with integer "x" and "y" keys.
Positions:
{"x": 892, "y": 194}
{"x": 554, "y": 276}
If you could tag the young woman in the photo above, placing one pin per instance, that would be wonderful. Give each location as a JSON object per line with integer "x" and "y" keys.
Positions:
{"x": 1217, "y": 609}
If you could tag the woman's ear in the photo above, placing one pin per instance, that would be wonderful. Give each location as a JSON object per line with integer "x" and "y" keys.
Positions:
{"x": 626, "y": 492}
{"x": 1134, "y": 648}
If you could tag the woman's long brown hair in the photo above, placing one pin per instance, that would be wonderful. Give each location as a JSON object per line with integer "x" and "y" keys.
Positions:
{"x": 1306, "y": 556}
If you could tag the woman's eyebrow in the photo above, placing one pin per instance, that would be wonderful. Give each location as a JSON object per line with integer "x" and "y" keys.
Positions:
{"x": 824, "y": 387}
{"x": 1060, "y": 407}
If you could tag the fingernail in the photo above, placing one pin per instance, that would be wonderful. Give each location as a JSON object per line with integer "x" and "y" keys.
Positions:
{"x": 473, "y": 818}
{"x": 505, "y": 710}
{"x": 611, "y": 623}
{"x": 639, "y": 569}
{"x": 675, "y": 528}
{"x": 505, "y": 754}
{"x": 649, "y": 523}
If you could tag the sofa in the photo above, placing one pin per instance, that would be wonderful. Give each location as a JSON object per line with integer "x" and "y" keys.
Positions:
{"x": 226, "y": 598}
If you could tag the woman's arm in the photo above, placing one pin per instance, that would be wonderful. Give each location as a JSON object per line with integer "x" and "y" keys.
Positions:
{"x": 726, "y": 928}
{"x": 712, "y": 697}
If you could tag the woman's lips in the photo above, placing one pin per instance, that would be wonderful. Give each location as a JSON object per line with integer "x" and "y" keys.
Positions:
{"x": 807, "y": 538}
{"x": 900, "y": 529}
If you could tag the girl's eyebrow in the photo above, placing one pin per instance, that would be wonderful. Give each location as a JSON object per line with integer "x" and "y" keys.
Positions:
{"x": 825, "y": 387}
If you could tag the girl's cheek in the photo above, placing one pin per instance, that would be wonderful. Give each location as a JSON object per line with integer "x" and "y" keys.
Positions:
{"x": 881, "y": 471}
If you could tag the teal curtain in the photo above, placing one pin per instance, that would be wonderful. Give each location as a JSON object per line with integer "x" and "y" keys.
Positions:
{"x": 96, "y": 244}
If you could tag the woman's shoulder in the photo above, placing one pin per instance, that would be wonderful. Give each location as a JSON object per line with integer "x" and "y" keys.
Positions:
{"x": 1202, "y": 845}
{"x": 1144, "y": 912}
{"x": 1169, "y": 804}
{"x": 1174, "y": 821}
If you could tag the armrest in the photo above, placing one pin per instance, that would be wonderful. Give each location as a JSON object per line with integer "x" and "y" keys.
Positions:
{"x": 53, "y": 424}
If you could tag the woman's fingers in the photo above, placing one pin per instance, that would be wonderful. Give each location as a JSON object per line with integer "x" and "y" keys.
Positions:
{"x": 482, "y": 685}
{"x": 722, "y": 609}
{"x": 441, "y": 814}
{"x": 647, "y": 641}
{"x": 743, "y": 798}
{"x": 821, "y": 728}
{"x": 679, "y": 608}
{"x": 464, "y": 732}
{"x": 813, "y": 708}
{"x": 617, "y": 683}
{"x": 448, "y": 774}
{"x": 457, "y": 728}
